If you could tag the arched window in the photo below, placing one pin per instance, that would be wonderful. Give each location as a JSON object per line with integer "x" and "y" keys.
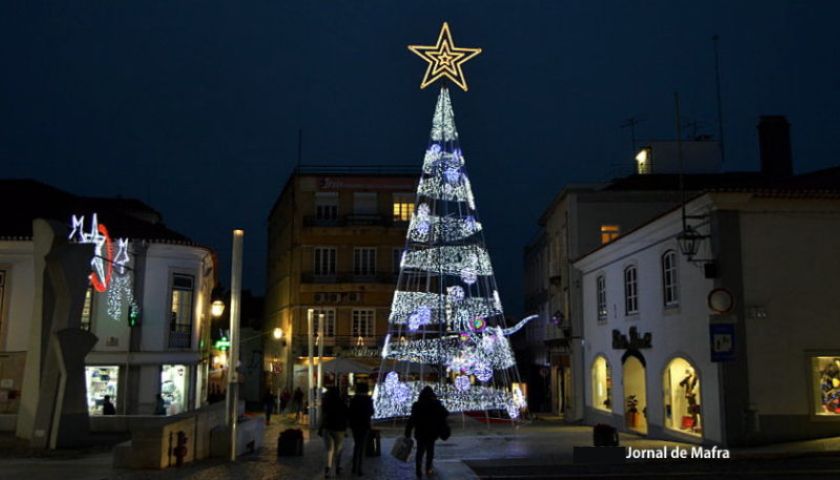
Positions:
{"x": 631, "y": 291}
{"x": 681, "y": 392}
{"x": 670, "y": 285}
{"x": 601, "y": 384}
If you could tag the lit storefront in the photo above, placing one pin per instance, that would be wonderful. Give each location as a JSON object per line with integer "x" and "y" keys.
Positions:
{"x": 826, "y": 380}
{"x": 174, "y": 388}
{"x": 601, "y": 384}
{"x": 681, "y": 390}
{"x": 101, "y": 381}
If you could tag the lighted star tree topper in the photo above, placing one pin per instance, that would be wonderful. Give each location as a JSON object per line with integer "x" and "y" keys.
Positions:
{"x": 444, "y": 59}
{"x": 446, "y": 327}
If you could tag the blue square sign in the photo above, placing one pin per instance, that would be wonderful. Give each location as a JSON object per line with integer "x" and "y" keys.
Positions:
{"x": 722, "y": 341}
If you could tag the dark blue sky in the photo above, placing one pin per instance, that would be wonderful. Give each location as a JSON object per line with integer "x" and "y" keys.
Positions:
{"x": 194, "y": 106}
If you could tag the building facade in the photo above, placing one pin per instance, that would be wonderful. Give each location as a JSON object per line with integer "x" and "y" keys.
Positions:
{"x": 734, "y": 346}
{"x": 142, "y": 291}
{"x": 334, "y": 244}
{"x": 581, "y": 218}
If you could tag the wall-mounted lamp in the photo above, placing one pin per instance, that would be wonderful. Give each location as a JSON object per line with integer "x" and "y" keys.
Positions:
{"x": 217, "y": 308}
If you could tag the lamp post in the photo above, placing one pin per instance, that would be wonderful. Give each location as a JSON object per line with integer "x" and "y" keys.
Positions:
{"x": 233, "y": 376}
{"x": 309, "y": 392}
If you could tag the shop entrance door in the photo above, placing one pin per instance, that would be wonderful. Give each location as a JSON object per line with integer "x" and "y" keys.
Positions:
{"x": 635, "y": 395}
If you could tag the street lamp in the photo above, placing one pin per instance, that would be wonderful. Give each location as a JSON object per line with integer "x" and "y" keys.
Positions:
{"x": 278, "y": 333}
{"x": 217, "y": 308}
{"x": 689, "y": 241}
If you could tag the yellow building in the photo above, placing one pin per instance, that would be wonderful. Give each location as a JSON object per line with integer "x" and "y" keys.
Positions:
{"x": 335, "y": 237}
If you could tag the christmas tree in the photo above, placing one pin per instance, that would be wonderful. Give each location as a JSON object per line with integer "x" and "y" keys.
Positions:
{"x": 446, "y": 327}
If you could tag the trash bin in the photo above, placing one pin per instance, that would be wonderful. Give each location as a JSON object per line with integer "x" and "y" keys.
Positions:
{"x": 604, "y": 436}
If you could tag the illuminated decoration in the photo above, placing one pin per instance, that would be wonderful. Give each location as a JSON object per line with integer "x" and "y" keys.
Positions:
{"x": 119, "y": 296}
{"x": 455, "y": 293}
{"x": 479, "y": 324}
{"x": 447, "y": 328}
{"x": 444, "y": 59}
{"x": 449, "y": 260}
{"x": 104, "y": 258}
{"x": 462, "y": 383}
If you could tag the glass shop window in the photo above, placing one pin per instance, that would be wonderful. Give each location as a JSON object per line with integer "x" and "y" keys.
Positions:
{"x": 826, "y": 381}
{"x": 681, "y": 397}
{"x": 601, "y": 384}
{"x": 101, "y": 381}
{"x": 174, "y": 385}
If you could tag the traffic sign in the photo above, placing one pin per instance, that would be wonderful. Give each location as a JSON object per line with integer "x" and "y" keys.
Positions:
{"x": 722, "y": 341}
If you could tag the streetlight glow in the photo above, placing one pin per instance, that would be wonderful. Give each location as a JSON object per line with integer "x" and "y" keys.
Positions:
{"x": 278, "y": 333}
{"x": 217, "y": 308}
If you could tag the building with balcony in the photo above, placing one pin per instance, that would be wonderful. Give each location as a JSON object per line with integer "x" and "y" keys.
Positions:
{"x": 131, "y": 295}
{"x": 335, "y": 238}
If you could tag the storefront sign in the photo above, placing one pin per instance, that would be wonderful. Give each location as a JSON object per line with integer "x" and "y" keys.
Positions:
{"x": 722, "y": 341}
{"x": 632, "y": 340}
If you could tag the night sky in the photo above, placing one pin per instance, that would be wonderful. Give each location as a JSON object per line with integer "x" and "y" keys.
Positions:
{"x": 195, "y": 106}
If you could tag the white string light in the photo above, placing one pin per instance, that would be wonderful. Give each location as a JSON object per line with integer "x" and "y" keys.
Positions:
{"x": 449, "y": 260}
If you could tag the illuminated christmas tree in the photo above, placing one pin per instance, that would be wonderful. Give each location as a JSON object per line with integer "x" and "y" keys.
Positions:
{"x": 446, "y": 327}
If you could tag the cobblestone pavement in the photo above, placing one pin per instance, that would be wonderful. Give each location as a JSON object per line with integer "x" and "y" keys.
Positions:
{"x": 538, "y": 450}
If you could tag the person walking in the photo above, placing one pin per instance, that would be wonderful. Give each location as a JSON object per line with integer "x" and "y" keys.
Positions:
{"x": 428, "y": 420}
{"x": 268, "y": 404}
{"x": 297, "y": 403}
{"x": 333, "y": 428}
{"x": 284, "y": 400}
{"x": 108, "y": 407}
{"x": 361, "y": 410}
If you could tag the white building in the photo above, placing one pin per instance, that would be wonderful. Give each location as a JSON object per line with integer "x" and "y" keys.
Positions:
{"x": 737, "y": 347}
{"x": 150, "y": 319}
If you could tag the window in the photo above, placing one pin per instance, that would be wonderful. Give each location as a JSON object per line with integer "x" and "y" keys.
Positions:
{"x": 364, "y": 261}
{"x": 681, "y": 397}
{"x": 643, "y": 161}
{"x": 326, "y": 205}
{"x": 363, "y": 322}
{"x": 826, "y": 381}
{"x": 101, "y": 381}
{"x": 397, "y": 259}
{"x": 631, "y": 291}
{"x": 364, "y": 203}
{"x": 601, "y": 287}
{"x": 324, "y": 261}
{"x": 180, "y": 319}
{"x": 609, "y": 233}
{"x": 87, "y": 310}
{"x": 403, "y": 206}
{"x": 174, "y": 388}
{"x": 329, "y": 321}
{"x": 670, "y": 293}
{"x": 601, "y": 384}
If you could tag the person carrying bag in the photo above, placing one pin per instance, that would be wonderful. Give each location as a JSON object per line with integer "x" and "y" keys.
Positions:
{"x": 428, "y": 420}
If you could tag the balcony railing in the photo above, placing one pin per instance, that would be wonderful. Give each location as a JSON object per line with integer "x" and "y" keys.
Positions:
{"x": 353, "y": 220}
{"x": 348, "y": 278}
{"x": 180, "y": 336}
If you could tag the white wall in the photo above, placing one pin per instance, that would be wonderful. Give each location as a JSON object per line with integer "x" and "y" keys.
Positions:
{"x": 792, "y": 271}
{"x": 16, "y": 259}
{"x": 682, "y": 331}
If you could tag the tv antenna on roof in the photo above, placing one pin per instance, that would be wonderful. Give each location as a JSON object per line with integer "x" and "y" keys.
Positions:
{"x": 631, "y": 124}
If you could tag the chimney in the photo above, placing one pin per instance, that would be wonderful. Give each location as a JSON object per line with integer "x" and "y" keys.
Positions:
{"x": 774, "y": 146}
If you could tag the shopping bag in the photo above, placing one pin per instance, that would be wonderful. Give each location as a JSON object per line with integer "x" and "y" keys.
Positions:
{"x": 402, "y": 448}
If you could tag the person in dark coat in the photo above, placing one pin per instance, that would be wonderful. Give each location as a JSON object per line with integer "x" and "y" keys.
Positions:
{"x": 107, "y": 406}
{"x": 268, "y": 405}
{"x": 284, "y": 399}
{"x": 428, "y": 420}
{"x": 297, "y": 403}
{"x": 361, "y": 410}
{"x": 333, "y": 428}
